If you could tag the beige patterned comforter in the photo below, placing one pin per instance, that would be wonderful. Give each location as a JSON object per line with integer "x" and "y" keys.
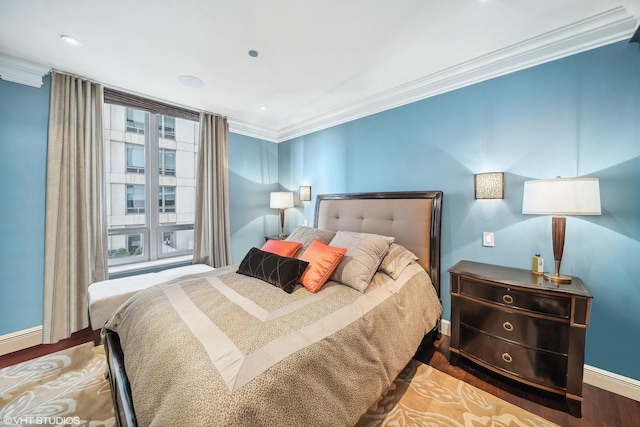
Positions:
{"x": 223, "y": 349}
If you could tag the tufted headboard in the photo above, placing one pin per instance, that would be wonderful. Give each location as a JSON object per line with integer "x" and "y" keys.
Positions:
{"x": 412, "y": 217}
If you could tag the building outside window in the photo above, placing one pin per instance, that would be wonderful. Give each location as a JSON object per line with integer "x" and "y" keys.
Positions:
{"x": 134, "y": 244}
{"x": 168, "y": 241}
{"x": 136, "y": 199}
{"x": 150, "y": 216}
{"x": 166, "y": 127}
{"x": 135, "y": 121}
{"x": 135, "y": 158}
{"x": 167, "y": 199}
{"x": 167, "y": 162}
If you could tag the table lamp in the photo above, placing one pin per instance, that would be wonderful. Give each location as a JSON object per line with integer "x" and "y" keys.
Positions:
{"x": 559, "y": 197}
{"x": 281, "y": 200}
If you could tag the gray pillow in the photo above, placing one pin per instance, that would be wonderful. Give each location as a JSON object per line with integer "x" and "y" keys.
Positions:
{"x": 396, "y": 261}
{"x": 306, "y": 235}
{"x": 364, "y": 254}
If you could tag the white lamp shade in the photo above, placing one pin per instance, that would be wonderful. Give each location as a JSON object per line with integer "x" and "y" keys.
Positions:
{"x": 281, "y": 200}
{"x": 562, "y": 196}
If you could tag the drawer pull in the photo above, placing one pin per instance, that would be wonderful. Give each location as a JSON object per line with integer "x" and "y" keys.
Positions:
{"x": 507, "y": 326}
{"x": 507, "y": 298}
{"x": 507, "y": 357}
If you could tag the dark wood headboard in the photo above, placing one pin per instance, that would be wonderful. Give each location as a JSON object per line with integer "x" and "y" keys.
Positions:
{"x": 412, "y": 217}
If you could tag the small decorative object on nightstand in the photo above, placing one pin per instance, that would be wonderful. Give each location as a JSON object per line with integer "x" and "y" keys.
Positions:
{"x": 276, "y": 237}
{"x": 521, "y": 326}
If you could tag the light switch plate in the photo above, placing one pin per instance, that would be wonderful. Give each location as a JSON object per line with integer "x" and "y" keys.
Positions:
{"x": 488, "y": 239}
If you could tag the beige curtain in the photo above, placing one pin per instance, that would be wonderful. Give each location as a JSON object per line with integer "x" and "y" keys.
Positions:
{"x": 76, "y": 231}
{"x": 212, "y": 235}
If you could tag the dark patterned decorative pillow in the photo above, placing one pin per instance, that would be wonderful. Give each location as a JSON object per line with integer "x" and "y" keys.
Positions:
{"x": 277, "y": 270}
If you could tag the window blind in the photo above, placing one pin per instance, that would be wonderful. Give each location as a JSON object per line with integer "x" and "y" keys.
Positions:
{"x": 113, "y": 96}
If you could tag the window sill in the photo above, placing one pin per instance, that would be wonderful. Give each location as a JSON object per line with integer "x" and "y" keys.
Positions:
{"x": 149, "y": 266}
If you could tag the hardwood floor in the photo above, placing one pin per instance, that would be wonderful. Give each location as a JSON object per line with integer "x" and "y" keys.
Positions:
{"x": 77, "y": 338}
{"x": 600, "y": 408}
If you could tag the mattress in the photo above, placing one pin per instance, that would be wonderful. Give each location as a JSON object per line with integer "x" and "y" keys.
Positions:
{"x": 106, "y": 296}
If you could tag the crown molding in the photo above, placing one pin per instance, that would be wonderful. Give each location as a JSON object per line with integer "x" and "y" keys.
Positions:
{"x": 614, "y": 25}
{"x": 22, "y": 72}
{"x": 254, "y": 131}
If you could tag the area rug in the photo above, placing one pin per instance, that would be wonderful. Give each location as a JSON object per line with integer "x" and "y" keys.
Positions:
{"x": 424, "y": 396}
{"x": 68, "y": 388}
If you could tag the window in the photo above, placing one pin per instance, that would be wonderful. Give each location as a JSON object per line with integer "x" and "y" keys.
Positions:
{"x": 134, "y": 244}
{"x": 167, "y": 199}
{"x": 167, "y": 162}
{"x": 166, "y": 127}
{"x": 135, "y": 121}
{"x": 136, "y": 199}
{"x": 135, "y": 158}
{"x": 150, "y": 216}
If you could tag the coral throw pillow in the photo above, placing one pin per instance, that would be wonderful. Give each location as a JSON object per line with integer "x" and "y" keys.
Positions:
{"x": 281, "y": 247}
{"x": 322, "y": 259}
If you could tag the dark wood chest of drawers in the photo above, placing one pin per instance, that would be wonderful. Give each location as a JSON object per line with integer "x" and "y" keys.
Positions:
{"x": 521, "y": 326}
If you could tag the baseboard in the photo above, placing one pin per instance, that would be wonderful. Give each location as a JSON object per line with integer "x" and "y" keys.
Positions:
{"x": 624, "y": 386}
{"x": 20, "y": 340}
{"x": 612, "y": 382}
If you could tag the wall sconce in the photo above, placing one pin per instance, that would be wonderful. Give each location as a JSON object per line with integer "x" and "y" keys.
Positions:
{"x": 489, "y": 185}
{"x": 305, "y": 193}
{"x": 281, "y": 200}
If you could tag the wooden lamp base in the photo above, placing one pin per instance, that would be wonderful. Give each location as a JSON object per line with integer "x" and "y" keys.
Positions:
{"x": 558, "y": 227}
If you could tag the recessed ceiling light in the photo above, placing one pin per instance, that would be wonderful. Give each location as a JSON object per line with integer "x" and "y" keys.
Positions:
{"x": 71, "y": 40}
{"x": 191, "y": 81}
{"x": 253, "y": 53}
{"x": 263, "y": 108}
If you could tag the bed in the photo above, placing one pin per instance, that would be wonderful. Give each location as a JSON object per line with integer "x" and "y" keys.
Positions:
{"x": 224, "y": 348}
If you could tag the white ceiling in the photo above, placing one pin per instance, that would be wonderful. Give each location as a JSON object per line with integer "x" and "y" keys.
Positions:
{"x": 320, "y": 63}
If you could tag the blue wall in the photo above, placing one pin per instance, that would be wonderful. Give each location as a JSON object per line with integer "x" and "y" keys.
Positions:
{"x": 24, "y": 116}
{"x": 253, "y": 174}
{"x": 579, "y": 116}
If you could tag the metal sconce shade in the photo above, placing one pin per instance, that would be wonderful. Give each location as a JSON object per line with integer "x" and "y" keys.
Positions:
{"x": 489, "y": 185}
{"x": 305, "y": 193}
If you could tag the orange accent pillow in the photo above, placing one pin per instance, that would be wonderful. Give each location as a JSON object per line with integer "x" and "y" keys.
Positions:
{"x": 322, "y": 259}
{"x": 281, "y": 247}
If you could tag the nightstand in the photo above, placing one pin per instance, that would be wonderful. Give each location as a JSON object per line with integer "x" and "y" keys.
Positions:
{"x": 276, "y": 237}
{"x": 521, "y": 326}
